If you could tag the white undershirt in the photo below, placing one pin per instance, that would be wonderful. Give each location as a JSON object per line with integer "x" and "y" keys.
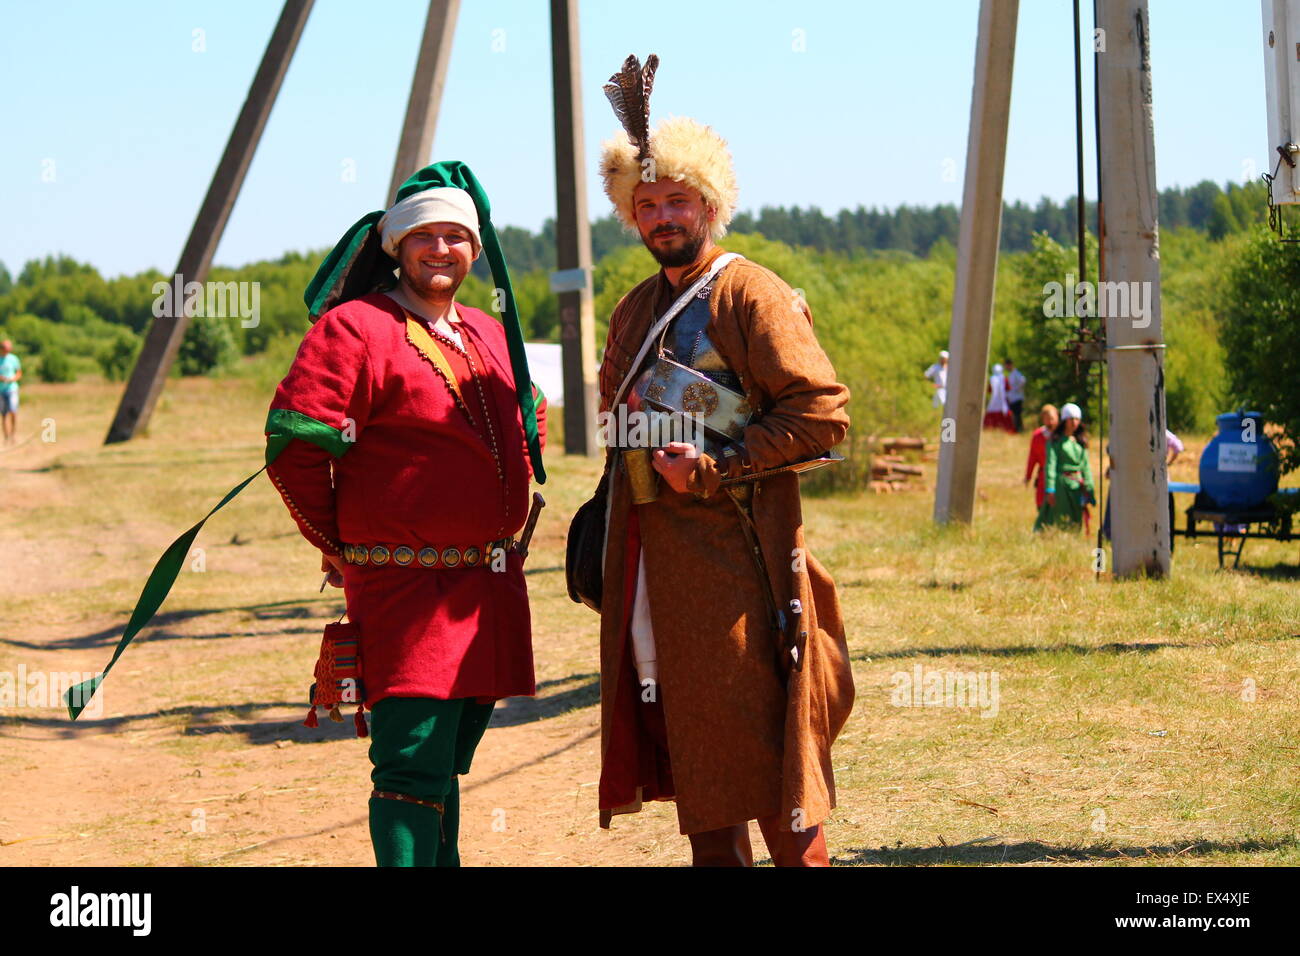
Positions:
{"x": 451, "y": 334}
{"x": 643, "y": 637}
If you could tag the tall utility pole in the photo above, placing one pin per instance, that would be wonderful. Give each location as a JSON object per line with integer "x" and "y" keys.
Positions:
{"x": 163, "y": 340}
{"x": 572, "y": 278}
{"x": 1128, "y": 295}
{"x": 416, "y": 145}
{"x": 977, "y": 262}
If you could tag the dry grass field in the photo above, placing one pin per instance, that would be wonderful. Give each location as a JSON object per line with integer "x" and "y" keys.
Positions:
{"x": 1136, "y": 723}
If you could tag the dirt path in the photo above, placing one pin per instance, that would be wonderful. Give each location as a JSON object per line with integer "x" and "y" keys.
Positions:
{"x": 198, "y": 756}
{"x": 185, "y": 768}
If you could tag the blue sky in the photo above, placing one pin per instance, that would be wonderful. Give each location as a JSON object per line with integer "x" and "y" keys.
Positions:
{"x": 115, "y": 122}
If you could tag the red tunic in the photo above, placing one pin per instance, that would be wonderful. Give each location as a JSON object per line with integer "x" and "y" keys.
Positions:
{"x": 421, "y": 468}
{"x": 1038, "y": 459}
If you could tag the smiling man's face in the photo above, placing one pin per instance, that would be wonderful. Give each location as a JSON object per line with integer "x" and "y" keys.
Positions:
{"x": 435, "y": 259}
{"x": 673, "y": 220}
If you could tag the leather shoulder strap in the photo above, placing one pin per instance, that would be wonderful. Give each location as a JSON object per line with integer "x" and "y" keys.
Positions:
{"x": 683, "y": 300}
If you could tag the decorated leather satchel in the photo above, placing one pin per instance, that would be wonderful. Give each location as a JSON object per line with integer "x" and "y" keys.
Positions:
{"x": 338, "y": 676}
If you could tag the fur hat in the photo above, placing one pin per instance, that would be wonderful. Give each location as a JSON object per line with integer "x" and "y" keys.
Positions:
{"x": 679, "y": 148}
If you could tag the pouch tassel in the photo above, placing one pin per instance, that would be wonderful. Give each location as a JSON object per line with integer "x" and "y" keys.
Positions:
{"x": 360, "y": 718}
{"x": 311, "y": 720}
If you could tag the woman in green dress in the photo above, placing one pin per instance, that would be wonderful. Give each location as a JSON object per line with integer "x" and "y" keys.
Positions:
{"x": 1068, "y": 485}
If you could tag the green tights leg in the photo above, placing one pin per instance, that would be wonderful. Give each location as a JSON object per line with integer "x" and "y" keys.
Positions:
{"x": 449, "y": 851}
{"x": 418, "y": 747}
{"x": 404, "y": 834}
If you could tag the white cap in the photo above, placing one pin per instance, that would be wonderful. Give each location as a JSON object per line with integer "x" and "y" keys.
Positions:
{"x": 943, "y": 353}
{"x": 1071, "y": 410}
{"x": 997, "y": 369}
{"x": 439, "y": 204}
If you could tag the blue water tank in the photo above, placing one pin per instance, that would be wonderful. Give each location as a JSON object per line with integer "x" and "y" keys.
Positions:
{"x": 1239, "y": 466}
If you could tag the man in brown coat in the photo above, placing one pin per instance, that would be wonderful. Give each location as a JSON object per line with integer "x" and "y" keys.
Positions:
{"x": 724, "y": 672}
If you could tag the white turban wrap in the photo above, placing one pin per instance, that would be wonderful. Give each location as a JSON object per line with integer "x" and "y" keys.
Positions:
{"x": 440, "y": 204}
{"x": 1071, "y": 410}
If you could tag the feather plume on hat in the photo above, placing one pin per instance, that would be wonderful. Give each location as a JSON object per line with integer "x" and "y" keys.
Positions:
{"x": 679, "y": 149}
{"x": 628, "y": 91}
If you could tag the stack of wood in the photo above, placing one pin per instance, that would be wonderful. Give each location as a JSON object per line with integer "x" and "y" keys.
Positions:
{"x": 891, "y": 471}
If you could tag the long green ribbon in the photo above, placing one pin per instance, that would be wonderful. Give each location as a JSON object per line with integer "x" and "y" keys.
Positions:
{"x": 283, "y": 426}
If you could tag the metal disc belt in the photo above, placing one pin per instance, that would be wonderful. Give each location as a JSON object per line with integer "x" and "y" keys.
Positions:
{"x": 424, "y": 556}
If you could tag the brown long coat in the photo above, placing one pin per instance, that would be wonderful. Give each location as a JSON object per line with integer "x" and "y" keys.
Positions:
{"x": 744, "y": 743}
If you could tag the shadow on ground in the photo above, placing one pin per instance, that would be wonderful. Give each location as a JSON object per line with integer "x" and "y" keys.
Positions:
{"x": 581, "y": 690}
{"x": 1276, "y": 572}
{"x": 524, "y": 710}
{"x": 321, "y": 610}
{"x": 1033, "y": 852}
{"x": 1024, "y": 650}
{"x": 201, "y": 721}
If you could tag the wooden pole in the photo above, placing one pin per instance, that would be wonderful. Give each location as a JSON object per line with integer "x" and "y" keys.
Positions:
{"x": 163, "y": 340}
{"x": 415, "y": 147}
{"x": 1128, "y": 298}
{"x": 977, "y": 262}
{"x": 572, "y": 280}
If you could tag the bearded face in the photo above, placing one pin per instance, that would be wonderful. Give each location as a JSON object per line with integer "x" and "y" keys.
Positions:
{"x": 673, "y": 221}
{"x": 435, "y": 259}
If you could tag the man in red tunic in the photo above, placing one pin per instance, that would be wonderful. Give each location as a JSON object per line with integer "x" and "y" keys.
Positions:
{"x": 409, "y": 470}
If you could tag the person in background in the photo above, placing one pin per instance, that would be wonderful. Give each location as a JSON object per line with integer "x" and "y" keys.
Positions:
{"x": 938, "y": 376}
{"x": 1015, "y": 393}
{"x": 1173, "y": 448}
{"x": 1048, "y": 418}
{"x": 11, "y": 370}
{"x": 1069, "y": 485}
{"x": 997, "y": 414}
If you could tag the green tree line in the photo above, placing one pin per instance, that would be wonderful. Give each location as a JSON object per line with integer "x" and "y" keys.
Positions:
{"x": 1206, "y": 207}
{"x": 882, "y": 313}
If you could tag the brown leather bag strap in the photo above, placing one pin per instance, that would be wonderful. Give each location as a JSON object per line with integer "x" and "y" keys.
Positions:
{"x": 661, "y": 325}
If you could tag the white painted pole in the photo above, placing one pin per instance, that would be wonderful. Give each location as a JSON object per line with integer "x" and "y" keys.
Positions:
{"x": 1128, "y": 297}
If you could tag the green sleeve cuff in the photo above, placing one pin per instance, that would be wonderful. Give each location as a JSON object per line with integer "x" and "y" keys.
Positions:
{"x": 283, "y": 424}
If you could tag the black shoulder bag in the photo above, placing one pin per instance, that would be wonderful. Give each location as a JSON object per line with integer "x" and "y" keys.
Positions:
{"x": 584, "y": 553}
